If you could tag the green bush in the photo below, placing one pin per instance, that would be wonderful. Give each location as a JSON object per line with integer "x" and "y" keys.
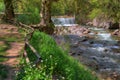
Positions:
{"x": 1, "y": 6}
{"x": 30, "y": 72}
{"x": 94, "y": 13}
{"x": 30, "y": 17}
{"x": 29, "y": 11}
{"x": 3, "y": 72}
{"x": 55, "y": 61}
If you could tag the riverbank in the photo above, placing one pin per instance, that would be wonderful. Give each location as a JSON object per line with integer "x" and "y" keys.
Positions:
{"x": 54, "y": 62}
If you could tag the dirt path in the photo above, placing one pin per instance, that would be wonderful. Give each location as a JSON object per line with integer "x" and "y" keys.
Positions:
{"x": 10, "y": 35}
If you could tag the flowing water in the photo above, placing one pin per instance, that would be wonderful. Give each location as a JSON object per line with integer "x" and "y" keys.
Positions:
{"x": 64, "y": 21}
{"x": 101, "y": 53}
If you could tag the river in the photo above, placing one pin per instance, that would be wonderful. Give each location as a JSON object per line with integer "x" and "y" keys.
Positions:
{"x": 101, "y": 53}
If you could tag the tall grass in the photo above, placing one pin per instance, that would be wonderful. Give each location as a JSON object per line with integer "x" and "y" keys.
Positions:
{"x": 55, "y": 61}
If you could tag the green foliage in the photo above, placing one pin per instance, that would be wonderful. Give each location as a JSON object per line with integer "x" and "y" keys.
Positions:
{"x": 105, "y": 10}
{"x": 3, "y": 72}
{"x": 57, "y": 8}
{"x": 1, "y": 6}
{"x": 94, "y": 13}
{"x": 24, "y": 6}
{"x": 29, "y": 11}
{"x": 2, "y": 59}
{"x": 3, "y": 48}
{"x": 30, "y": 72}
{"x": 109, "y": 9}
{"x": 29, "y": 18}
{"x": 11, "y": 38}
{"x": 83, "y": 9}
{"x": 55, "y": 61}
{"x": 63, "y": 7}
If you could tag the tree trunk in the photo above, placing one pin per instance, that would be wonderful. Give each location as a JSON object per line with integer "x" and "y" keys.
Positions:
{"x": 46, "y": 17}
{"x": 9, "y": 11}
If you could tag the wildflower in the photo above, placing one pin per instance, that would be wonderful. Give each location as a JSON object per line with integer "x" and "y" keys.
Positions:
{"x": 41, "y": 60}
{"x": 50, "y": 56}
{"x": 55, "y": 63}
{"x": 34, "y": 65}
{"x": 63, "y": 77}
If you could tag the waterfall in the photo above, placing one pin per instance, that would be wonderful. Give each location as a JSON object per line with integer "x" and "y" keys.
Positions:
{"x": 64, "y": 21}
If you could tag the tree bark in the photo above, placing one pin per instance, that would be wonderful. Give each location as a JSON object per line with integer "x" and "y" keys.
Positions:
{"x": 9, "y": 11}
{"x": 46, "y": 17}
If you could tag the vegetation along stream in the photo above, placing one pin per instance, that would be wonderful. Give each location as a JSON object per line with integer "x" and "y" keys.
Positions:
{"x": 60, "y": 39}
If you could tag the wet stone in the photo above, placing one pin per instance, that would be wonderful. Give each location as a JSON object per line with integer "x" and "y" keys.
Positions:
{"x": 91, "y": 42}
{"x": 72, "y": 54}
{"x": 79, "y": 54}
{"x": 74, "y": 45}
{"x": 105, "y": 62}
{"x": 105, "y": 50}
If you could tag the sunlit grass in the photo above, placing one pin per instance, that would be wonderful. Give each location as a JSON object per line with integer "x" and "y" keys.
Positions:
{"x": 55, "y": 61}
{"x": 3, "y": 48}
{"x": 12, "y": 38}
{"x": 2, "y": 59}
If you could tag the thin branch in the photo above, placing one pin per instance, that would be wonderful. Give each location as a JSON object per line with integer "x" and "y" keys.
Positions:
{"x": 25, "y": 26}
{"x": 25, "y": 54}
{"x": 33, "y": 49}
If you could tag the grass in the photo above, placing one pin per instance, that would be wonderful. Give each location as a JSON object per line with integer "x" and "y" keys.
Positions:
{"x": 11, "y": 38}
{"x": 55, "y": 61}
{"x": 3, "y": 48}
{"x": 3, "y": 69}
{"x": 3, "y": 59}
{"x": 3, "y": 72}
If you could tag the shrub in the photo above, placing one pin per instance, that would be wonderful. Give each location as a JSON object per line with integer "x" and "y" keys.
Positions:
{"x": 30, "y": 18}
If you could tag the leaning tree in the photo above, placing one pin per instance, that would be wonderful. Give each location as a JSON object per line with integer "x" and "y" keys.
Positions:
{"x": 46, "y": 25}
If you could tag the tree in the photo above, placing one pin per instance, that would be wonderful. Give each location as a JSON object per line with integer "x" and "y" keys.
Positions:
{"x": 81, "y": 9}
{"x": 108, "y": 9}
{"x": 45, "y": 12}
{"x": 46, "y": 25}
{"x": 9, "y": 11}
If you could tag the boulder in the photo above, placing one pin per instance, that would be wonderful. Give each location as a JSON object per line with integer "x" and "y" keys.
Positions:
{"x": 89, "y": 23}
{"x": 99, "y": 22}
{"x": 86, "y": 31}
{"x": 95, "y": 22}
{"x": 116, "y": 32}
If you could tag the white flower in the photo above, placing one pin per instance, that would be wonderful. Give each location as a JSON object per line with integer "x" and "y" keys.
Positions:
{"x": 41, "y": 60}
{"x": 50, "y": 56}
{"x": 63, "y": 77}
